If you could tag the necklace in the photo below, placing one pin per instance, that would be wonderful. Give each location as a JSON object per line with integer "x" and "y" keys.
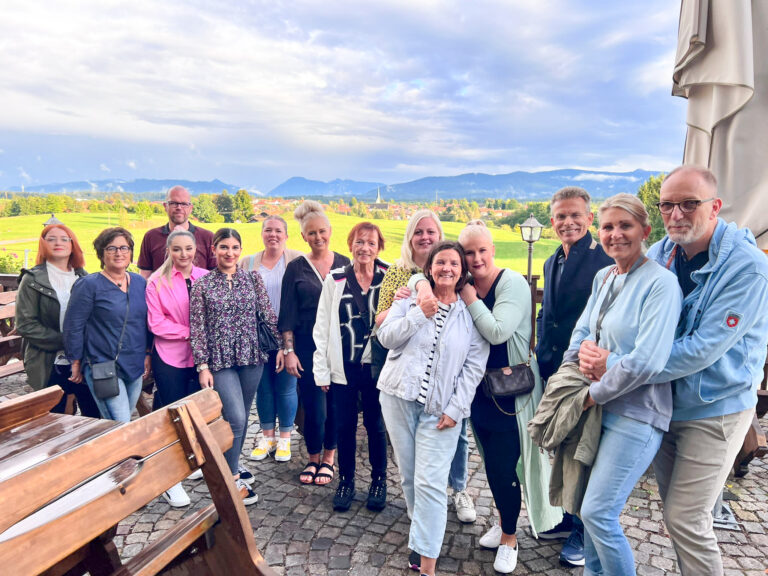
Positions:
{"x": 117, "y": 283}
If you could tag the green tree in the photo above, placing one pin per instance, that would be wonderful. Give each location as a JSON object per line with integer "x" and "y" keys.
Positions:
{"x": 205, "y": 209}
{"x": 144, "y": 210}
{"x": 225, "y": 205}
{"x": 242, "y": 206}
{"x": 649, "y": 195}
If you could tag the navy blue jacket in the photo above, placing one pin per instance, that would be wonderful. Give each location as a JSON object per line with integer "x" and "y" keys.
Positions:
{"x": 561, "y": 310}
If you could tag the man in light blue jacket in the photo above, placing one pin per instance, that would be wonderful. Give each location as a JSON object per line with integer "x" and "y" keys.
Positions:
{"x": 716, "y": 362}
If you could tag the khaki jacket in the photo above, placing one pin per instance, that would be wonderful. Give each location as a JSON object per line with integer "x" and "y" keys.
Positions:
{"x": 562, "y": 426}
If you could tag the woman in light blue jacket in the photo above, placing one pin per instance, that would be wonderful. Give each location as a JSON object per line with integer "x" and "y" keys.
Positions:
{"x": 436, "y": 360}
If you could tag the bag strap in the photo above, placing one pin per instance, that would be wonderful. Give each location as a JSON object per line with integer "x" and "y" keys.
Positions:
{"x": 516, "y": 412}
{"x": 125, "y": 321}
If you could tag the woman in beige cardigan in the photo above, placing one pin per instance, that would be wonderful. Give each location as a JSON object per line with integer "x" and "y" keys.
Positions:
{"x": 276, "y": 397}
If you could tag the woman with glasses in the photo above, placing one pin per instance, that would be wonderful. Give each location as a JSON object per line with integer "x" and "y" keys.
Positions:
{"x": 107, "y": 321}
{"x": 41, "y": 304}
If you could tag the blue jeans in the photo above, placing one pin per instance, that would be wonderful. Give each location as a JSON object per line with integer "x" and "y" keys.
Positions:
{"x": 118, "y": 407}
{"x": 236, "y": 387}
{"x": 457, "y": 479}
{"x": 423, "y": 455}
{"x": 277, "y": 397}
{"x": 627, "y": 448}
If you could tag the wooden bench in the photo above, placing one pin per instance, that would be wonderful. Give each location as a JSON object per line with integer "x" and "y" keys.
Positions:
{"x": 10, "y": 342}
{"x": 66, "y": 482}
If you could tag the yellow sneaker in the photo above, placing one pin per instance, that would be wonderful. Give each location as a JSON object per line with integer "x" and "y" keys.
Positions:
{"x": 264, "y": 448}
{"x": 283, "y": 453}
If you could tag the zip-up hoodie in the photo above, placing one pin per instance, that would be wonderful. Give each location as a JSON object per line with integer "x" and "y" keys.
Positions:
{"x": 719, "y": 350}
{"x": 459, "y": 363}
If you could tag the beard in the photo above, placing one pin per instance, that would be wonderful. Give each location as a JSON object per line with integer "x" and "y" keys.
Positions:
{"x": 691, "y": 234}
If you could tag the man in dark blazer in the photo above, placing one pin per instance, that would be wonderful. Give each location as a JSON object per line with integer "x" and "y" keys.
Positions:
{"x": 568, "y": 276}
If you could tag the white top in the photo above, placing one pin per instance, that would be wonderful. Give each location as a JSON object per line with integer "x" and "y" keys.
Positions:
{"x": 273, "y": 280}
{"x": 61, "y": 282}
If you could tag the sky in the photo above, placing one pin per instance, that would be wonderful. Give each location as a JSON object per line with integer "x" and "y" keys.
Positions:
{"x": 255, "y": 92}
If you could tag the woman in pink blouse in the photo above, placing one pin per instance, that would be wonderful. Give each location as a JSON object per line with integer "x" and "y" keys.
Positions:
{"x": 167, "y": 295}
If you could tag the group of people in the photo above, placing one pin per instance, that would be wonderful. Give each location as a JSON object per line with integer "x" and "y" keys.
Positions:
{"x": 641, "y": 358}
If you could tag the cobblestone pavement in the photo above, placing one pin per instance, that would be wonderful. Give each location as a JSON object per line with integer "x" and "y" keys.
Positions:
{"x": 298, "y": 533}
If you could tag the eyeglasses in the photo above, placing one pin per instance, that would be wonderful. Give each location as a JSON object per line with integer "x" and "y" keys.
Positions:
{"x": 173, "y": 204}
{"x": 54, "y": 239}
{"x": 686, "y": 206}
{"x": 115, "y": 249}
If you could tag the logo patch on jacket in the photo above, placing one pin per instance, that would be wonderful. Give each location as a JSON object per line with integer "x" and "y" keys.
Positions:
{"x": 732, "y": 319}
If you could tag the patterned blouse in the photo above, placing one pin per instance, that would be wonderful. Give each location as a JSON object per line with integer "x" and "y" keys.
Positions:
{"x": 223, "y": 325}
{"x": 396, "y": 277}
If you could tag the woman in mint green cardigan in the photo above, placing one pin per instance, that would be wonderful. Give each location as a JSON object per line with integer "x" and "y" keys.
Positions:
{"x": 500, "y": 305}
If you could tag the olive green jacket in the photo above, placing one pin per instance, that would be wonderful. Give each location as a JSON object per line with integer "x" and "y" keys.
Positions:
{"x": 37, "y": 321}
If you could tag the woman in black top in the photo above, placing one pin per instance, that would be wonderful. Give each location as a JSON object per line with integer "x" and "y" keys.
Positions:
{"x": 343, "y": 358}
{"x": 299, "y": 298}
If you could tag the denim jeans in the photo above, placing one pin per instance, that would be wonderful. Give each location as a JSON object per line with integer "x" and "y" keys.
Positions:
{"x": 172, "y": 383}
{"x": 236, "y": 387}
{"x": 457, "y": 479}
{"x": 277, "y": 397}
{"x": 319, "y": 408}
{"x": 360, "y": 383}
{"x": 118, "y": 407}
{"x": 423, "y": 455}
{"x": 627, "y": 448}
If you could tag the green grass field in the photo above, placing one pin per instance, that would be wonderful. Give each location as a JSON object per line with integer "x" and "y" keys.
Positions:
{"x": 21, "y": 232}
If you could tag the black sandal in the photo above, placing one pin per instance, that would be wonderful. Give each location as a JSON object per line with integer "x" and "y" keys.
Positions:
{"x": 324, "y": 474}
{"x": 309, "y": 470}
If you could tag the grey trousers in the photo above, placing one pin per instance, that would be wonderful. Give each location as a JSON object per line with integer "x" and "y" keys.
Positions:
{"x": 691, "y": 468}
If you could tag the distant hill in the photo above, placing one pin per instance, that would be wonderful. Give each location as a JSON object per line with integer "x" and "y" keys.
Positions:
{"x": 475, "y": 186}
{"x": 138, "y": 186}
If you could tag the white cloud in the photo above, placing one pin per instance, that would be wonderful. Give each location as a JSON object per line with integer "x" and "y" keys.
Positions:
{"x": 604, "y": 178}
{"x": 23, "y": 174}
{"x": 131, "y": 164}
{"x": 104, "y": 168}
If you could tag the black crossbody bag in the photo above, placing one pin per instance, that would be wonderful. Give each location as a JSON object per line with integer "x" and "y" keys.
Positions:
{"x": 104, "y": 374}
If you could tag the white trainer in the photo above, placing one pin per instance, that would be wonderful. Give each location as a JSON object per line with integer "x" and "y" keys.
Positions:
{"x": 283, "y": 451}
{"x": 176, "y": 496}
{"x": 196, "y": 475}
{"x": 465, "y": 508}
{"x": 264, "y": 448}
{"x": 506, "y": 559}
{"x": 249, "y": 496}
{"x": 492, "y": 538}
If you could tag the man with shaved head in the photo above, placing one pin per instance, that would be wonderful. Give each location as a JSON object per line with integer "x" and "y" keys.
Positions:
{"x": 178, "y": 205}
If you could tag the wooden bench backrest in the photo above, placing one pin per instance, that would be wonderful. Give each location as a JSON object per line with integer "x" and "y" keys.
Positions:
{"x": 51, "y": 509}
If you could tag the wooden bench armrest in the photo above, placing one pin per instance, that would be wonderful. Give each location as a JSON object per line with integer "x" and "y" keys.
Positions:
{"x": 157, "y": 555}
{"x": 27, "y": 407}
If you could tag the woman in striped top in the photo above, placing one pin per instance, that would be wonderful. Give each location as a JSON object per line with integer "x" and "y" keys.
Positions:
{"x": 436, "y": 360}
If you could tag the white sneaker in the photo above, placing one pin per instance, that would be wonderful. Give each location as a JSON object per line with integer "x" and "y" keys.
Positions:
{"x": 465, "y": 509}
{"x": 196, "y": 475}
{"x": 506, "y": 559}
{"x": 264, "y": 448}
{"x": 249, "y": 496}
{"x": 492, "y": 538}
{"x": 176, "y": 496}
{"x": 283, "y": 452}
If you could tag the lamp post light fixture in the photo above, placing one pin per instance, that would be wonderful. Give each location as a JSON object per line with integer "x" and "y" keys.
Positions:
{"x": 530, "y": 230}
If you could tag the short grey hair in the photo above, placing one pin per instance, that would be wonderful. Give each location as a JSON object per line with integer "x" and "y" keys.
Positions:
{"x": 629, "y": 203}
{"x": 701, "y": 171}
{"x": 174, "y": 189}
{"x": 568, "y": 193}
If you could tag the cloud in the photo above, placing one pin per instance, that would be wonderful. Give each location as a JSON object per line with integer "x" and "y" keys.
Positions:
{"x": 104, "y": 168}
{"x": 131, "y": 164}
{"x": 23, "y": 174}
{"x": 604, "y": 178}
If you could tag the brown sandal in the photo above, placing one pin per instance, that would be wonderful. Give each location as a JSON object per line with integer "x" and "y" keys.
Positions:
{"x": 309, "y": 470}
{"x": 324, "y": 475}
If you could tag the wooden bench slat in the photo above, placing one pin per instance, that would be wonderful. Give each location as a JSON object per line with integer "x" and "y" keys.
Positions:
{"x": 135, "y": 439}
{"x": 8, "y": 311}
{"x": 19, "y": 410}
{"x": 158, "y": 554}
{"x": 15, "y": 461}
{"x": 11, "y": 369}
{"x": 38, "y": 548}
{"x": 7, "y": 297}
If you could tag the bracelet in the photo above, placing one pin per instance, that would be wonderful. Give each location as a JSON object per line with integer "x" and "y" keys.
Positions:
{"x": 287, "y": 351}
{"x": 202, "y": 367}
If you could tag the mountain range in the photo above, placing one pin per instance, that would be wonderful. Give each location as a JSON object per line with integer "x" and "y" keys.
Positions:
{"x": 520, "y": 185}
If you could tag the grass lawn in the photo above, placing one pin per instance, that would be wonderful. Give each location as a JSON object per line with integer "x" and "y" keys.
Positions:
{"x": 21, "y": 232}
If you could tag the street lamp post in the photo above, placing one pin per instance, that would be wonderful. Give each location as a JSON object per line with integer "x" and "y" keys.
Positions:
{"x": 530, "y": 230}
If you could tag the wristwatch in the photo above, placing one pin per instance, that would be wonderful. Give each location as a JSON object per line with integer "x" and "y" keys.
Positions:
{"x": 202, "y": 367}
{"x": 287, "y": 351}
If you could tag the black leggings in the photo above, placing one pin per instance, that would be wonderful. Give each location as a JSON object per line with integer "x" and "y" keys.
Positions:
{"x": 319, "y": 408}
{"x": 501, "y": 451}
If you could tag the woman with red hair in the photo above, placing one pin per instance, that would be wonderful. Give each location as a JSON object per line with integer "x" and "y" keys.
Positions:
{"x": 40, "y": 307}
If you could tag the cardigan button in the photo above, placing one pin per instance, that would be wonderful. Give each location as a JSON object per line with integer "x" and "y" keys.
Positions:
{"x": 554, "y": 348}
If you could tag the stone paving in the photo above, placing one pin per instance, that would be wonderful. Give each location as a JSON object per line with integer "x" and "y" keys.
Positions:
{"x": 299, "y": 534}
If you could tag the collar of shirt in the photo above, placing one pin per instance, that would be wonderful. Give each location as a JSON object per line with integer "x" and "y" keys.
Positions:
{"x": 167, "y": 228}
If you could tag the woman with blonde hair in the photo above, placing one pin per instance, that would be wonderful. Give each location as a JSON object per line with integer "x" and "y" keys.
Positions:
{"x": 299, "y": 299}
{"x": 276, "y": 397}
{"x": 168, "y": 291}
{"x": 41, "y": 304}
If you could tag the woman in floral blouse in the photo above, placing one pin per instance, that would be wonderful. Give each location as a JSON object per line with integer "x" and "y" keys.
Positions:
{"x": 225, "y": 342}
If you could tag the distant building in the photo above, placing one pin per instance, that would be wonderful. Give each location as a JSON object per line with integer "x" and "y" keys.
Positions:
{"x": 52, "y": 220}
{"x": 379, "y": 204}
